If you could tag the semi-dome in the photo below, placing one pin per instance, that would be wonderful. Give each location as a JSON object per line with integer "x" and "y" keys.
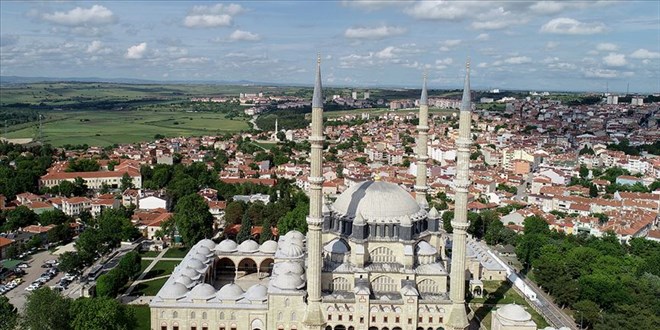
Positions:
{"x": 257, "y": 292}
{"x": 201, "y": 257}
{"x": 336, "y": 246}
{"x": 268, "y": 247}
{"x": 203, "y": 250}
{"x": 230, "y": 291}
{"x": 173, "y": 291}
{"x": 226, "y": 246}
{"x": 202, "y": 291}
{"x": 207, "y": 243}
{"x": 289, "y": 282}
{"x": 196, "y": 265}
{"x": 514, "y": 312}
{"x": 248, "y": 246}
{"x": 295, "y": 235}
{"x": 425, "y": 249}
{"x": 376, "y": 201}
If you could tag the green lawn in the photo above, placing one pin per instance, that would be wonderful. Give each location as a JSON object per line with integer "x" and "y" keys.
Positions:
{"x": 144, "y": 264}
{"x": 149, "y": 254}
{"x": 149, "y": 288}
{"x": 163, "y": 267}
{"x": 143, "y": 317}
{"x": 496, "y": 295}
{"x": 103, "y": 128}
{"x": 176, "y": 253}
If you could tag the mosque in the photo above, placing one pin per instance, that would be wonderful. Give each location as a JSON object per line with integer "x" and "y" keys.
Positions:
{"x": 375, "y": 259}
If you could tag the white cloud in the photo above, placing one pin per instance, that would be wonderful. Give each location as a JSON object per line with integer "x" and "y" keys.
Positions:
{"x": 564, "y": 25}
{"x": 373, "y": 4}
{"x": 645, "y": 54}
{"x": 387, "y": 53}
{"x": 518, "y": 60}
{"x": 137, "y": 51}
{"x": 192, "y": 60}
{"x": 212, "y": 16}
{"x": 497, "y": 19}
{"x": 615, "y": 60}
{"x": 374, "y": 33}
{"x": 483, "y": 36}
{"x": 445, "y": 61}
{"x": 607, "y": 47}
{"x": 601, "y": 73}
{"x": 96, "y": 15}
{"x": 444, "y": 10}
{"x": 240, "y": 35}
{"x": 447, "y": 45}
{"x": 96, "y": 47}
{"x": 550, "y": 45}
{"x": 547, "y": 7}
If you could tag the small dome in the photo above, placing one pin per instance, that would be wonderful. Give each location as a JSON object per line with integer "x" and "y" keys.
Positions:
{"x": 230, "y": 291}
{"x": 268, "y": 247}
{"x": 196, "y": 265}
{"x": 185, "y": 280}
{"x": 434, "y": 214}
{"x": 296, "y": 235}
{"x": 190, "y": 273}
{"x": 248, "y": 246}
{"x": 257, "y": 292}
{"x": 173, "y": 291}
{"x": 288, "y": 267}
{"x": 289, "y": 282}
{"x": 207, "y": 243}
{"x": 336, "y": 246}
{"x": 290, "y": 250}
{"x": 425, "y": 249}
{"x": 203, "y": 250}
{"x": 376, "y": 201}
{"x": 201, "y": 257}
{"x": 226, "y": 246}
{"x": 202, "y": 291}
{"x": 514, "y": 312}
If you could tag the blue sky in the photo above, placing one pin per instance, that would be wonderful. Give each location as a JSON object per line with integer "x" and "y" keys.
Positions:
{"x": 542, "y": 45}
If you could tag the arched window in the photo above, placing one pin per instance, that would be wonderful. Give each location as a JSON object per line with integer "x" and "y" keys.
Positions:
{"x": 293, "y": 316}
{"x": 384, "y": 284}
{"x": 340, "y": 284}
{"x": 175, "y": 315}
{"x": 222, "y": 315}
{"x": 162, "y": 314}
{"x": 192, "y": 315}
{"x": 286, "y": 302}
{"x": 382, "y": 254}
{"x": 279, "y": 316}
{"x": 232, "y": 316}
{"x": 428, "y": 286}
{"x": 204, "y": 315}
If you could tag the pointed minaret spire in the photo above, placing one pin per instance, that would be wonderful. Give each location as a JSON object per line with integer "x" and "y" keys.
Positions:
{"x": 458, "y": 319}
{"x": 422, "y": 151}
{"x": 313, "y": 318}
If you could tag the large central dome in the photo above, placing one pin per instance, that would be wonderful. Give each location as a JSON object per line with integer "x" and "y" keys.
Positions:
{"x": 377, "y": 200}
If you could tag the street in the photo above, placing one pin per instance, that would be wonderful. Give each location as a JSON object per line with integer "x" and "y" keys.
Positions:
{"x": 18, "y": 295}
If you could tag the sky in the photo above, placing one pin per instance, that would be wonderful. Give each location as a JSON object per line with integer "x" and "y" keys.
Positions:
{"x": 524, "y": 45}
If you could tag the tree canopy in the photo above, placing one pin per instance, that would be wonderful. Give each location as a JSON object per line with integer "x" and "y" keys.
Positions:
{"x": 193, "y": 219}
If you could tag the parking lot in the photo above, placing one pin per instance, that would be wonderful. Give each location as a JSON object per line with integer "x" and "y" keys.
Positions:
{"x": 17, "y": 296}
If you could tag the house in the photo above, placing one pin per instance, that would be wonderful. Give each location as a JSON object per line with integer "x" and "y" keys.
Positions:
{"x": 75, "y": 205}
{"x": 100, "y": 204}
{"x": 39, "y": 207}
{"x": 5, "y": 243}
{"x": 152, "y": 202}
{"x": 130, "y": 197}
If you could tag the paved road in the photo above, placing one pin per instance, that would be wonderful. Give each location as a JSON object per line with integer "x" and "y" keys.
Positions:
{"x": 17, "y": 297}
{"x": 555, "y": 315}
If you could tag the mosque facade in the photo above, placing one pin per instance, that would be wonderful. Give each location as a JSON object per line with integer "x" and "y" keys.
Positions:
{"x": 374, "y": 259}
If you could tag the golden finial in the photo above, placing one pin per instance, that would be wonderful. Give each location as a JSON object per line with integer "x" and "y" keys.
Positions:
{"x": 377, "y": 177}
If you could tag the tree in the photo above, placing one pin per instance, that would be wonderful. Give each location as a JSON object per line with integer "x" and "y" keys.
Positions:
{"x": 66, "y": 188}
{"x": 83, "y": 165}
{"x": 593, "y": 191}
{"x": 70, "y": 262}
{"x": 131, "y": 265}
{"x": 126, "y": 182}
{"x": 492, "y": 235}
{"x": 193, "y": 219}
{"x": 266, "y": 231}
{"x": 80, "y": 187}
{"x": 587, "y": 313}
{"x": 244, "y": 233}
{"x": 53, "y": 217}
{"x": 447, "y": 217}
{"x": 8, "y": 314}
{"x": 535, "y": 225}
{"x": 295, "y": 219}
{"x": 101, "y": 314}
{"x": 20, "y": 217}
{"x": 584, "y": 172}
{"x": 255, "y": 213}
{"x": 108, "y": 285}
{"x": 234, "y": 212}
{"x": 46, "y": 309}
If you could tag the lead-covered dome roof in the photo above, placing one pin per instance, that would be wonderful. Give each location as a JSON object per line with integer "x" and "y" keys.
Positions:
{"x": 377, "y": 201}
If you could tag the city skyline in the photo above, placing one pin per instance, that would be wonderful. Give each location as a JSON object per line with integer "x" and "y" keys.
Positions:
{"x": 580, "y": 46}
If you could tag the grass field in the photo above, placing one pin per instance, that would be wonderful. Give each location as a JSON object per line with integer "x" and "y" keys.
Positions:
{"x": 143, "y": 316}
{"x": 103, "y": 128}
{"x": 176, "y": 253}
{"x": 163, "y": 267}
{"x": 149, "y": 288}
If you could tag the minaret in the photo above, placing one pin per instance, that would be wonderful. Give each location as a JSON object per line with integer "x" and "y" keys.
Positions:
{"x": 457, "y": 316}
{"x": 313, "y": 315}
{"x": 276, "y": 130}
{"x": 422, "y": 151}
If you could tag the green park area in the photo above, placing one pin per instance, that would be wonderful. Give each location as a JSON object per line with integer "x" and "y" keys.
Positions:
{"x": 103, "y": 128}
{"x": 498, "y": 294}
{"x": 149, "y": 288}
{"x": 142, "y": 316}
